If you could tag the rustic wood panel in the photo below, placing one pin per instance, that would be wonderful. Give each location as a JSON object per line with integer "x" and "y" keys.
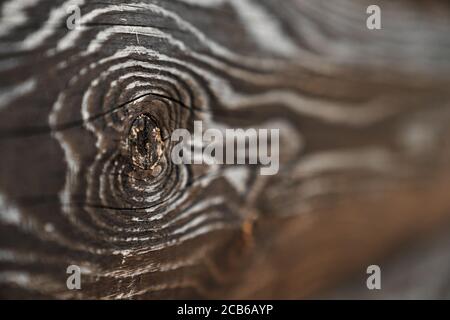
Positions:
{"x": 364, "y": 147}
{"x": 404, "y": 274}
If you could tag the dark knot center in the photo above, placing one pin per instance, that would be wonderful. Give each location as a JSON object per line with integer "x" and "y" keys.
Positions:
{"x": 145, "y": 143}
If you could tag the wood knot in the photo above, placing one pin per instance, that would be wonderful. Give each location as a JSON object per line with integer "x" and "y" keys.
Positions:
{"x": 145, "y": 143}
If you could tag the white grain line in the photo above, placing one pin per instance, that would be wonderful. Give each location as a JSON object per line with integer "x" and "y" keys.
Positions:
{"x": 38, "y": 282}
{"x": 263, "y": 27}
{"x": 9, "y": 214}
{"x": 19, "y": 278}
{"x": 70, "y": 39}
{"x": 238, "y": 178}
{"x": 265, "y": 30}
{"x": 177, "y": 241}
{"x": 205, "y": 3}
{"x": 14, "y": 15}
{"x": 196, "y": 208}
{"x": 9, "y": 94}
{"x": 153, "y": 267}
{"x": 197, "y": 221}
{"x": 50, "y": 26}
{"x": 372, "y": 158}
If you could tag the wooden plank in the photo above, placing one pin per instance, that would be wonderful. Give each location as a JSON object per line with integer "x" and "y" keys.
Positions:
{"x": 364, "y": 143}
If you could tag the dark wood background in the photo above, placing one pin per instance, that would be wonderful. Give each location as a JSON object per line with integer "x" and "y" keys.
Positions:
{"x": 364, "y": 148}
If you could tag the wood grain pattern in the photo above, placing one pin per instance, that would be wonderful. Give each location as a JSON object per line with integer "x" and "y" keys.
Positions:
{"x": 364, "y": 143}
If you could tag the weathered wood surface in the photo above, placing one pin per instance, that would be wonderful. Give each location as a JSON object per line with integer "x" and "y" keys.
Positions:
{"x": 420, "y": 271}
{"x": 364, "y": 144}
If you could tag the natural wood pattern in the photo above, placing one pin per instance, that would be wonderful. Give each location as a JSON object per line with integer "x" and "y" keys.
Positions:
{"x": 404, "y": 274}
{"x": 364, "y": 143}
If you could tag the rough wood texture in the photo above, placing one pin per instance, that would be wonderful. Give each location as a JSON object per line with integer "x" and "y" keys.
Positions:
{"x": 364, "y": 143}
